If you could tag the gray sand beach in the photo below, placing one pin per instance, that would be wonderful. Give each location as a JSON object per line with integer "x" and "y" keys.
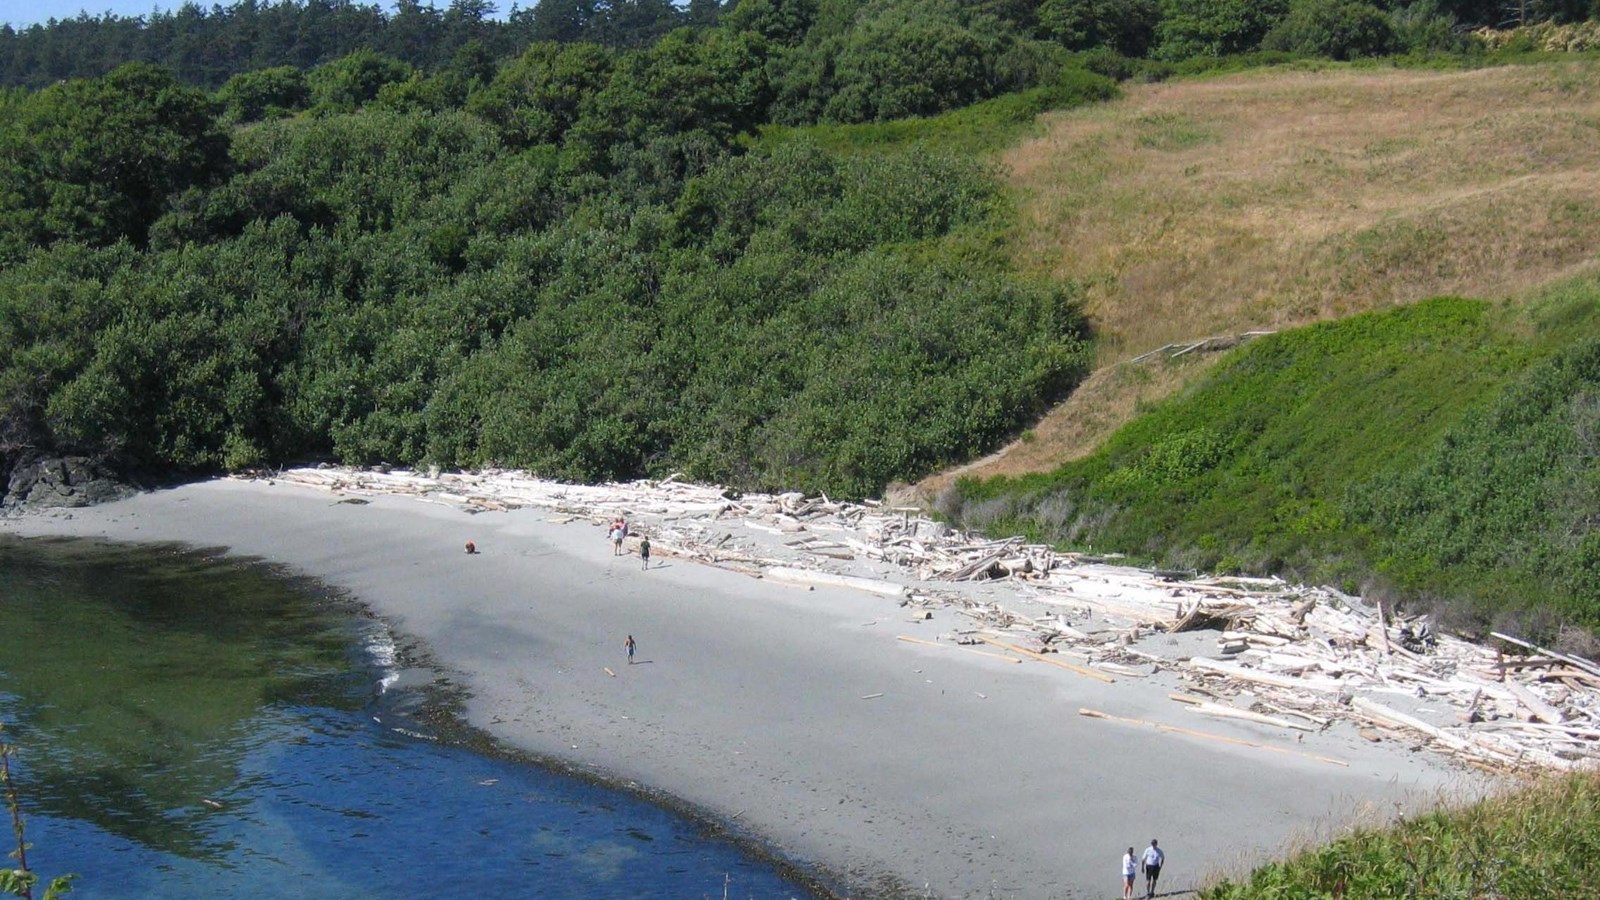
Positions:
{"x": 796, "y": 715}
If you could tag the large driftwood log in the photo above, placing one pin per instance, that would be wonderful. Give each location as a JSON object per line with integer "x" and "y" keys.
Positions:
{"x": 1585, "y": 665}
{"x": 828, "y": 579}
{"x": 1324, "y": 685}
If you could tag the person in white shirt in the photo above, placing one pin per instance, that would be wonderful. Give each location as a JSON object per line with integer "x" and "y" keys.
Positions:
{"x": 1152, "y": 860}
{"x": 1130, "y": 870}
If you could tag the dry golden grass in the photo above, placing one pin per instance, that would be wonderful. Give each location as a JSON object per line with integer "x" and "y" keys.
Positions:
{"x": 1276, "y": 198}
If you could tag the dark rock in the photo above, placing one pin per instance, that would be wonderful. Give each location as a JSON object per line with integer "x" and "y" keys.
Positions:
{"x": 61, "y": 482}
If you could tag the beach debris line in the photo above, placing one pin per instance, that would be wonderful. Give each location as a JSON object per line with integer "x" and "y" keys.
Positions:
{"x": 1175, "y": 729}
{"x": 1258, "y": 651}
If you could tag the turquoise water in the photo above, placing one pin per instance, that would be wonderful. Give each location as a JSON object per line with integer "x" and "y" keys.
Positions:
{"x": 189, "y": 726}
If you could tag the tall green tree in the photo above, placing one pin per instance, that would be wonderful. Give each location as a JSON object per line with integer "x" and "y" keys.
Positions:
{"x": 1126, "y": 26}
{"x": 353, "y": 81}
{"x": 96, "y": 160}
{"x": 253, "y": 96}
{"x": 538, "y": 96}
{"x": 1339, "y": 29}
{"x": 1191, "y": 28}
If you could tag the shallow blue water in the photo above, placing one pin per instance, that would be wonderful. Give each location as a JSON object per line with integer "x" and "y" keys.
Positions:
{"x": 191, "y": 728}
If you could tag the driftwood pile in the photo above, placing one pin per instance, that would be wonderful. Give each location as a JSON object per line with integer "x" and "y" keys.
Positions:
{"x": 1304, "y": 658}
{"x": 1285, "y": 656}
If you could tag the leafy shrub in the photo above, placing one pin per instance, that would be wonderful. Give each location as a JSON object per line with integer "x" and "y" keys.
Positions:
{"x": 347, "y": 84}
{"x": 1200, "y": 28}
{"x": 98, "y": 160}
{"x": 1423, "y": 27}
{"x": 1126, "y": 27}
{"x": 1338, "y": 29}
{"x": 265, "y": 93}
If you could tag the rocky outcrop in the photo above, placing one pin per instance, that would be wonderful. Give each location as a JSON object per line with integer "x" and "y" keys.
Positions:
{"x": 61, "y": 482}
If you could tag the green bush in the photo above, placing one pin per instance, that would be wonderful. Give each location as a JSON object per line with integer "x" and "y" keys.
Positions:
{"x": 352, "y": 82}
{"x": 1200, "y": 28}
{"x": 1338, "y": 29}
{"x": 1126, "y": 27}
{"x": 97, "y": 161}
{"x": 265, "y": 93}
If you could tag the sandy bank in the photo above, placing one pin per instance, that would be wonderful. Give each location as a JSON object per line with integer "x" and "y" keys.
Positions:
{"x": 795, "y": 714}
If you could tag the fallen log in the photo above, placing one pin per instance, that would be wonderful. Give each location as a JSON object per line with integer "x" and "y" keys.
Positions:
{"x": 1393, "y": 717}
{"x": 1000, "y": 656}
{"x": 1536, "y": 704}
{"x": 1218, "y": 711}
{"x": 1326, "y": 685}
{"x": 1174, "y": 729}
{"x": 1090, "y": 673}
{"x": 828, "y": 579}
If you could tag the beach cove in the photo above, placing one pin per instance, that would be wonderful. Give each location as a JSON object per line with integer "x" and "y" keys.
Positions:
{"x": 795, "y": 716}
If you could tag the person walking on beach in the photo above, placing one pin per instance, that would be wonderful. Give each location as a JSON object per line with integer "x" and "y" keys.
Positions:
{"x": 1152, "y": 861}
{"x": 1130, "y": 870}
{"x": 630, "y": 645}
{"x": 644, "y": 551}
{"x": 616, "y": 539}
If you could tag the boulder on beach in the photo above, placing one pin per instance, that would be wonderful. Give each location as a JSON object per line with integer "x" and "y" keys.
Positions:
{"x": 55, "y": 482}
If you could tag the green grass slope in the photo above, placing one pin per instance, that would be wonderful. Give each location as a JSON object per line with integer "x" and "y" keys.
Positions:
{"x": 1448, "y": 449}
{"x": 1539, "y": 843}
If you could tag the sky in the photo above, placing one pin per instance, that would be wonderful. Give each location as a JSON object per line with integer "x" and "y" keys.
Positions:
{"x": 27, "y": 12}
{"x": 20, "y": 13}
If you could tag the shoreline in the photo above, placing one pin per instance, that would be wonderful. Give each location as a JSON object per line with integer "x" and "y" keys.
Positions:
{"x": 793, "y": 716}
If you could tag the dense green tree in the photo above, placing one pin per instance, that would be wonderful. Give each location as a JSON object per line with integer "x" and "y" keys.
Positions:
{"x": 632, "y": 23}
{"x": 909, "y": 59}
{"x": 1126, "y": 26}
{"x": 537, "y": 97}
{"x": 96, "y": 160}
{"x": 702, "y": 13}
{"x": 1214, "y": 27}
{"x": 352, "y": 82}
{"x": 1340, "y": 29}
{"x": 51, "y": 305}
{"x": 781, "y": 22}
{"x": 413, "y": 29}
{"x": 1421, "y": 26}
{"x": 253, "y": 96}
{"x": 708, "y": 83}
{"x": 562, "y": 21}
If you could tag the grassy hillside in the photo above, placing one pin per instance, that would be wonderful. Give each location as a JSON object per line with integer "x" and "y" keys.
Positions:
{"x": 1278, "y": 197}
{"x": 1447, "y": 448}
{"x": 1534, "y": 843}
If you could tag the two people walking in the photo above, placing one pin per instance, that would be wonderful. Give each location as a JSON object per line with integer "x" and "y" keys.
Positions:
{"x": 1151, "y": 861}
{"x": 618, "y": 532}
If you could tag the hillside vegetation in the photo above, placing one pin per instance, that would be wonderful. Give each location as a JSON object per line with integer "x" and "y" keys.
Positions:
{"x": 573, "y": 267}
{"x": 1535, "y": 843}
{"x": 1446, "y": 449}
{"x": 1274, "y": 198}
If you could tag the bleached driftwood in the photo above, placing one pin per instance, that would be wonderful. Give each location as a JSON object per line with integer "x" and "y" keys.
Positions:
{"x": 1301, "y": 651}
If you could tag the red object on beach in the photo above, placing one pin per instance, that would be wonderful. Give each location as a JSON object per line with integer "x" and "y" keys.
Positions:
{"x": 471, "y": 547}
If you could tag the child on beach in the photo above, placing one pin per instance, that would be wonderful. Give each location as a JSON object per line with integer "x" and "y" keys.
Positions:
{"x": 644, "y": 552}
{"x": 1130, "y": 870}
{"x": 629, "y": 644}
